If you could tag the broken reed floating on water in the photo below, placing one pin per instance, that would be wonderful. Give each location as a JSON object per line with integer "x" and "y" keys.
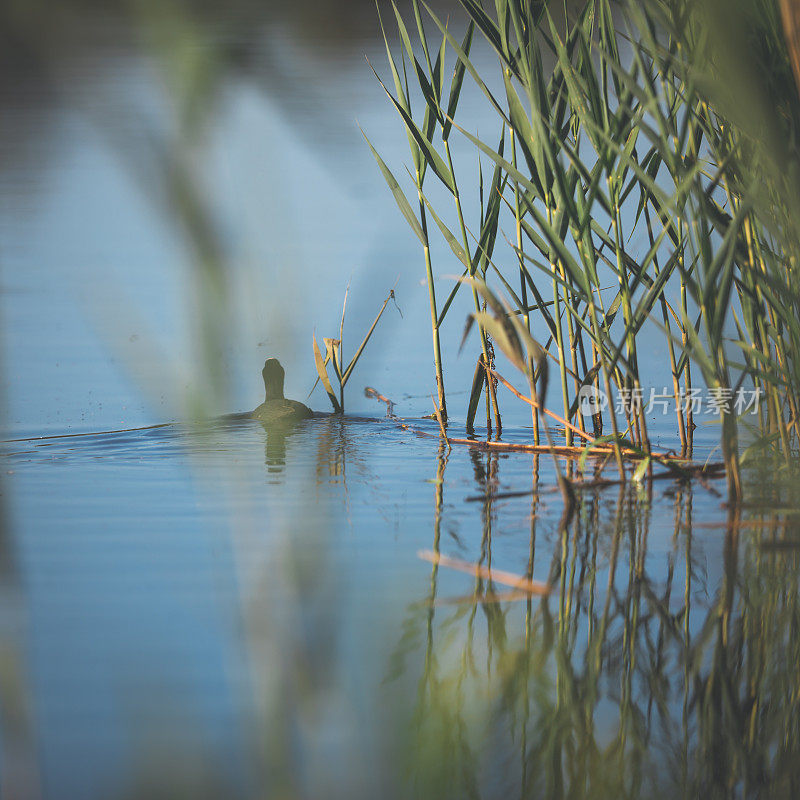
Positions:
{"x": 519, "y": 582}
{"x": 678, "y": 468}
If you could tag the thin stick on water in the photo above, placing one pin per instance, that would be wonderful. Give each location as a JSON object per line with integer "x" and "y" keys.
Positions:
{"x": 497, "y": 575}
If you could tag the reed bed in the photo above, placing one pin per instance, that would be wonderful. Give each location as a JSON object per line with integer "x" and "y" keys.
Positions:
{"x": 639, "y": 195}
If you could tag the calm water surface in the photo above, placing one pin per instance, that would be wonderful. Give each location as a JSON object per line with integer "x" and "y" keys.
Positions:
{"x": 227, "y": 611}
{"x": 233, "y": 611}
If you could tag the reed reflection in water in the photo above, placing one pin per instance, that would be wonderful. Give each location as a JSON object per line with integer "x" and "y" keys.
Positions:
{"x": 639, "y": 676}
{"x": 315, "y": 655}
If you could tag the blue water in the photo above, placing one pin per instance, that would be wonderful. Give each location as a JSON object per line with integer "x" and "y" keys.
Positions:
{"x": 174, "y": 584}
{"x": 227, "y": 611}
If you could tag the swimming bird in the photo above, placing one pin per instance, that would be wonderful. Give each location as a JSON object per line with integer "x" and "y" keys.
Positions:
{"x": 276, "y": 408}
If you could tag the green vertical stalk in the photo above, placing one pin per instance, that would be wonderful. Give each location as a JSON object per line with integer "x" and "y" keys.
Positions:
{"x": 670, "y": 344}
{"x": 761, "y": 337}
{"x": 562, "y": 366}
{"x": 437, "y": 350}
{"x": 484, "y": 338}
{"x": 627, "y": 313}
{"x": 687, "y": 368}
{"x": 606, "y": 377}
{"x": 573, "y": 345}
{"x": 522, "y": 281}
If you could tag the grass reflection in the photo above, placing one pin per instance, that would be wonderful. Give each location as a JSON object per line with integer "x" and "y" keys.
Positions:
{"x": 663, "y": 662}
{"x": 640, "y": 675}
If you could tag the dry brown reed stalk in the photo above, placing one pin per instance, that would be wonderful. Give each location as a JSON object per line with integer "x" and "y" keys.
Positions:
{"x": 519, "y": 582}
{"x": 566, "y": 451}
{"x": 663, "y": 458}
{"x": 684, "y": 470}
{"x": 536, "y": 405}
{"x": 678, "y": 467}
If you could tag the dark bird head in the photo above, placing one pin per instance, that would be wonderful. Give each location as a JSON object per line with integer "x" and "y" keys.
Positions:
{"x": 273, "y": 379}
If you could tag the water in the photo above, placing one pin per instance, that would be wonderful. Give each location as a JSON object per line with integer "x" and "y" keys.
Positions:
{"x": 253, "y": 604}
{"x": 229, "y": 611}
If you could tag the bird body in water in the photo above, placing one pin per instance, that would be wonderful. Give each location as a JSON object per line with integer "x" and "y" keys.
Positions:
{"x": 276, "y": 408}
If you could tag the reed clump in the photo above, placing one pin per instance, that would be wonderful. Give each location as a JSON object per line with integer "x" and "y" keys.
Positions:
{"x": 638, "y": 194}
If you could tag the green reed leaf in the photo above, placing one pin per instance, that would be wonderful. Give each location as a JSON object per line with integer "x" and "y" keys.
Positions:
{"x": 433, "y": 159}
{"x": 397, "y": 193}
{"x": 323, "y": 376}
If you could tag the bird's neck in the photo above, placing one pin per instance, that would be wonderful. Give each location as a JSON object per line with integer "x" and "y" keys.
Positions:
{"x": 273, "y": 393}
